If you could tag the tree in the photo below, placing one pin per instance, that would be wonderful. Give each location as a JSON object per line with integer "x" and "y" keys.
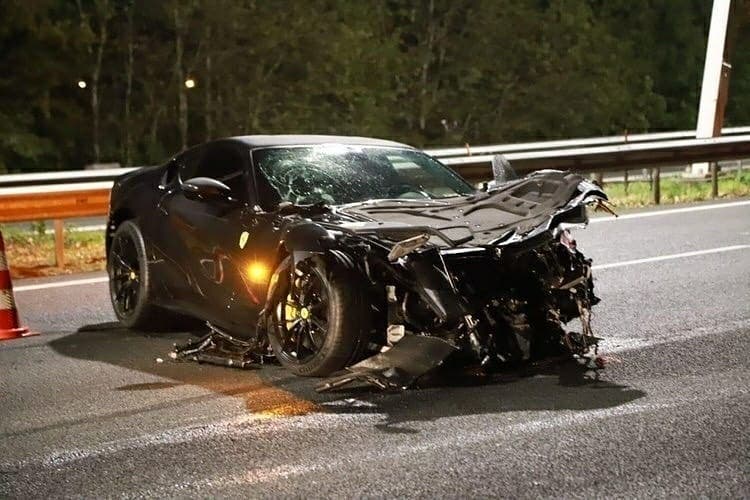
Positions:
{"x": 426, "y": 72}
{"x": 94, "y": 19}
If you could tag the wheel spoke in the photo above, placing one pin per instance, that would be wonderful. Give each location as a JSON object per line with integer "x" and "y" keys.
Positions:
{"x": 299, "y": 342}
{"x": 121, "y": 261}
{"x": 316, "y": 344}
{"x": 321, "y": 325}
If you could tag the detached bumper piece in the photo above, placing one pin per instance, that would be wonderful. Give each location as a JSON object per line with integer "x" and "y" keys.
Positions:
{"x": 397, "y": 368}
{"x": 219, "y": 348}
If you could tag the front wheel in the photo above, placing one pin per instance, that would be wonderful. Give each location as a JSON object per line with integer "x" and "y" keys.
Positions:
{"x": 320, "y": 324}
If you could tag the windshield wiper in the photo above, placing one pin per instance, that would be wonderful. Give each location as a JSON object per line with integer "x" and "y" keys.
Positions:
{"x": 371, "y": 201}
{"x": 375, "y": 201}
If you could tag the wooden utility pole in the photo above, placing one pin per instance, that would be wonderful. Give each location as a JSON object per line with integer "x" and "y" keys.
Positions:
{"x": 721, "y": 106}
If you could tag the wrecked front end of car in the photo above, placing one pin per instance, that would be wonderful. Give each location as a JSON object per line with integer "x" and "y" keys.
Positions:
{"x": 384, "y": 291}
{"x": 490, "y": 280}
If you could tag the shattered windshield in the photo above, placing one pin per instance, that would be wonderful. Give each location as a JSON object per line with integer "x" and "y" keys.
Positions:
{"x": 339, "y": 174}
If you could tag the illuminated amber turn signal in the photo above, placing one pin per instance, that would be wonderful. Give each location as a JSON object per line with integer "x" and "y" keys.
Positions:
{"x": 258, "y": 273}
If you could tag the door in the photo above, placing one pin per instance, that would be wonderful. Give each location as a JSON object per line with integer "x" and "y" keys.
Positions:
{"x": 204, "y": 232}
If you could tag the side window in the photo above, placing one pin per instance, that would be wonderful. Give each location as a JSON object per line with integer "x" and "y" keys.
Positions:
{"x": 170, "y": 174}
{"x": 189, "y": 162}
{"x": 224, "y": 163}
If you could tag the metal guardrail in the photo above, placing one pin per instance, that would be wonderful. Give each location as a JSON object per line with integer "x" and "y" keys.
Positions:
{"x": 65, "y": 177}
{"x": 607, "y": 158}
{"x": 576, "y": 143}
{"x": 83, "y": 201}
{"x": 445, "y": 154}
{"x": 473, "y": 167}
{"x": 57, "y": 201}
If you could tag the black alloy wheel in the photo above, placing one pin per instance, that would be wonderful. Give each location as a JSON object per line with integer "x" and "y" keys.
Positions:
{"x": 303, "y": 317}
{"x": 320, "y": 324}
{"x": 130, "y": 283}
{"x": 124, "y": 275}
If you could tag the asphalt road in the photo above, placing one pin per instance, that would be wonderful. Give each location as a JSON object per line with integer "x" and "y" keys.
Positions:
{"x": 92, "y": 413}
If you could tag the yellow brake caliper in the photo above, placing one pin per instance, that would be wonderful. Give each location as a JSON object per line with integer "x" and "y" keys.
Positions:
{"x": 291, "y": 313}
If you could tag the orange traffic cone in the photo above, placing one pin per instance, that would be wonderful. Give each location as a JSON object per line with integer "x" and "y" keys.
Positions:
{"x": 9, "y": 325}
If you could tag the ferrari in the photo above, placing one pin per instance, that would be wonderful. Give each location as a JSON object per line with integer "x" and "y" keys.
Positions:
{"x": 351, "y": 258}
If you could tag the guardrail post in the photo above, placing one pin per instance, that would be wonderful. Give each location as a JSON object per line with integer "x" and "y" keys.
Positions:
{"x": 59, "y": 243}
{"x": 714, "y": 179}
{"x": 656, "y": 183}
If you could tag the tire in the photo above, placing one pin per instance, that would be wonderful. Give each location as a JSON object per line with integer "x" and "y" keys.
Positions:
{"x": 128, "y": 251}
{"x": 347, "y": 322}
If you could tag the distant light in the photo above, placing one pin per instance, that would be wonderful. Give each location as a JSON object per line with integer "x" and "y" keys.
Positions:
{"x": 82, "y": 84}
{"x": 258, "y": 273}
{"x": 190, "y": 83}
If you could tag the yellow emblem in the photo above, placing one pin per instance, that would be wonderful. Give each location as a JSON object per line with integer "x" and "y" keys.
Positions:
{"x": 243, "y": 239}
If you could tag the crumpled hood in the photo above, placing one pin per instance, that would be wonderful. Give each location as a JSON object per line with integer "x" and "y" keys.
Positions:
{"x": 518, "y": 206}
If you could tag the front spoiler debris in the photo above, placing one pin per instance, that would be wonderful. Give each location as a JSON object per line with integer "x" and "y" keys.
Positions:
{"x": 218, "y": 348}
{"x": 398, "y": 367}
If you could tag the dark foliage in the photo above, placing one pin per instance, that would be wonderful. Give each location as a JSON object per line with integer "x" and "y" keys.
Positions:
{"x": 426, "y": 72}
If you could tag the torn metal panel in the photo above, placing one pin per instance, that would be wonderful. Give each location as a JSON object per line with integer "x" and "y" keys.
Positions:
{"x": 516, "y": 206}
{"x": 398, "y": 367}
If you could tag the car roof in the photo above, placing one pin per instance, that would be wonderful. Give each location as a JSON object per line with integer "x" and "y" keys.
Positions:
{"x": 256, "y": 141}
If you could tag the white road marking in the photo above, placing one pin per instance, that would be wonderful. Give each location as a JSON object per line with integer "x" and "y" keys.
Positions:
{"x": 58, "y": 284}
{"x": 614, "y": 345}
{"x": 670, "y": 257}
{"x": 102, "y": 279}
{"x": 672, "y": 211}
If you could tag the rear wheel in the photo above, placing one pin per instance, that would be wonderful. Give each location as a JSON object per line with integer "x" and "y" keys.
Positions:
{"x": 321, "y": 324}
{"x": 130, "y": 284}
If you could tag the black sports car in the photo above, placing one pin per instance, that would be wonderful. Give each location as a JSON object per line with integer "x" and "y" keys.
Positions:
{"x": 352, "y": 255}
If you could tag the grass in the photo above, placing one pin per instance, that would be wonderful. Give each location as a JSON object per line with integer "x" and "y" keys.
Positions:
{"x": 678, "y": 190}
{"x": 32, "y": 253}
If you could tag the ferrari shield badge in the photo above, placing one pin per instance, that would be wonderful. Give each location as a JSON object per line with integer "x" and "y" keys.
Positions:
{"x": 243, "y": 239}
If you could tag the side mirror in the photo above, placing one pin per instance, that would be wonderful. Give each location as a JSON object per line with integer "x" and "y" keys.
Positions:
{"x": 205, "y": 188}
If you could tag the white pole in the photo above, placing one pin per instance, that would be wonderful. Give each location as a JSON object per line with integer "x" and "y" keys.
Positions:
{"x": 717, "y": 35}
